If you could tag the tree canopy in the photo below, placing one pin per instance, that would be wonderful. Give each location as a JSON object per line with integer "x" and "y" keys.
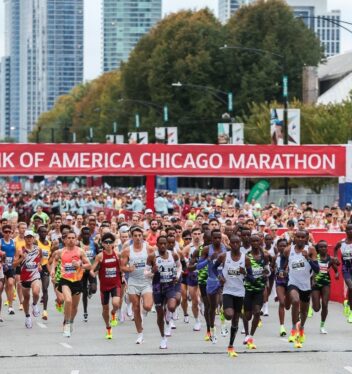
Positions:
{"x": 185, "y": 47}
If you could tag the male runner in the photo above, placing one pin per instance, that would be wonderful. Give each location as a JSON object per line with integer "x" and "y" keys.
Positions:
{"x": 89, "y": 283}
{"x": 164, "y": 265}
{"x": 73, "y": 262}
{"x": 300, "y": 260}
{"x": 45, "y": 246}
{"x": 235, "y": 267}
{"x": 133, "y": 261}
{"x": 345, "y": 247}
{"x": 7, "y": 245}
{"x": 109, "y": 279}
{"x": 29, "y": 259}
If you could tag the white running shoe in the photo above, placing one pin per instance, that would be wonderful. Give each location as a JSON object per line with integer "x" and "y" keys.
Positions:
{"x": 186, "y": 319}
{"x": 243, "y": 331}
{"x": 35, "y": 310}
{"x": 168, "y": 316}
{"x": 167, "y": 330}
{"x": 214, "y": 339}
{"x": 245, "y": 341}
{"x": 11, "y": 310}
{"x": 197, "y": 326}
{"x": 224, "y": 331}
{"x": 175, "y": 315}
{"x": 163, "y": 343}
{"x": 129, "y": 310}
{"x": 323, "y": 330}
{"x": 1, "y": 319}
{"x": 265, "y": 309}
{"x": 28, "y": 322}
{"x": 67, "y": 330}
{"x": 140, "y": 338}
{"x": 172, "y": 325}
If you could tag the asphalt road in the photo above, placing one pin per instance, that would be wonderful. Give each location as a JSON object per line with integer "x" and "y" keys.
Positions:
{"x": 43, "y": 349}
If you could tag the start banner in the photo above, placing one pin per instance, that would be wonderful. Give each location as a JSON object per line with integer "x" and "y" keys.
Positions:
{"x": 180, "y": 160}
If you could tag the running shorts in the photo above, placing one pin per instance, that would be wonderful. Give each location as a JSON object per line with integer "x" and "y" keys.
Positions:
{"x": 252, "y": 298}
{"x": 75, "y": 287}
{"x": 304, "y": 296}
{"x": 105, "y": 295}
{"x": 232, "y": 302}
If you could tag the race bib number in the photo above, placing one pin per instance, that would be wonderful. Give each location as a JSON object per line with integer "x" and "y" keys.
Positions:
{"x": 139, "y": 264}
{"x": 257, "y": 272}
{"x": 323, "y": 267}
{"x": 233, "y": 272}
{"x": 110, "y": 272}
{"x": 69, "y": 268}
{"x": 347, "y": 255}
{"x": 31, "y": 265}
{"x": 45, "y": 253}
{"x": 9, "y": 261}
{"x": 298, "y": 265}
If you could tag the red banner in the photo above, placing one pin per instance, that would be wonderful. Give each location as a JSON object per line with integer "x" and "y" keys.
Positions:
{"x": 160, "y": 159}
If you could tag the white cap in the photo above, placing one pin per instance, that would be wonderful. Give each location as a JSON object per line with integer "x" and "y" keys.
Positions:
{"x": 261, "y": 223}
{"x": 121, "y": 215}
{"x": 148, "y": 211}
{"x": 29, "y": 233}
{"x": 69, "y": 217}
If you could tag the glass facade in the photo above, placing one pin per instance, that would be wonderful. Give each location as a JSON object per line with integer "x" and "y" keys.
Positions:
{"x": 124, "y": 23}
{"x": 44, "y": 40}
{"x": 228, "y": 7}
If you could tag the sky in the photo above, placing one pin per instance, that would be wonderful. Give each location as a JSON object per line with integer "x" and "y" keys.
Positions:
{"x": 92, "y": 35}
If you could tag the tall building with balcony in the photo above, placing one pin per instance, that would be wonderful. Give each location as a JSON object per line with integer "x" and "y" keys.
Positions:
{"x": 124, "y": 23}
{"x": 5, "y": 93}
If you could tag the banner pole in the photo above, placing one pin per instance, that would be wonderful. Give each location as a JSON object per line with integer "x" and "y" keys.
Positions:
{"x": 150, "y": 189}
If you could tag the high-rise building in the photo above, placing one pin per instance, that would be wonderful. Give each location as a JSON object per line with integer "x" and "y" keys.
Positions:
{"x": 124, "y": 23}
{"x": 314, "y": 14}
{"x": 228, "y": 7}
{"x": 5, "y": 110}
{"x": 324, "y": 23}
{"x": 44, "y": 41}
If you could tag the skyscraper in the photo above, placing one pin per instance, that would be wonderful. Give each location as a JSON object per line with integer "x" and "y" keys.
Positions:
{"x": 124, "y": 23}
{"x": 314, "y": 14}
{"x": 324, "y": 23}
{"x": 44, "y": 42}
{"x": 228, "y": 7}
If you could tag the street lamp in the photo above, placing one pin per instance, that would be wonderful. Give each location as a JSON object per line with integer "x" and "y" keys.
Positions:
{"x": 214, "y": 91}
{"x": 284, "y": 87}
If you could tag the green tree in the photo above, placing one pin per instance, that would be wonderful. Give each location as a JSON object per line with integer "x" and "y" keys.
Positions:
{"x": 257, "y": 76}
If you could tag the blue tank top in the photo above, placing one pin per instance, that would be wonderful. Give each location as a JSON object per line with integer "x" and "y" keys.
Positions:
{"x": 10, "y": 250}
{"x": 211, "y": 273}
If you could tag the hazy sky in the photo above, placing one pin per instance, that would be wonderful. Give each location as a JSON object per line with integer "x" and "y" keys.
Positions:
{"x": 93, "y": 26}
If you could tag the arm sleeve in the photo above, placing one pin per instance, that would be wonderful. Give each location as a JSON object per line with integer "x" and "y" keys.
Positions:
{"x": 202, "y": 264}
{"x": 314, "y": 265}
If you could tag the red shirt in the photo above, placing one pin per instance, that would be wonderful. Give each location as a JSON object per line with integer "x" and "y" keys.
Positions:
{"x": 109, "y": 272}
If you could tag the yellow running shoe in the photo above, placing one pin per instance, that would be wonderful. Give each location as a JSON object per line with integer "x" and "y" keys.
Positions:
{"x": 349, "y": 320}
{"x": 310, "y": 312}
{"x": 292, "y": 337}
{"x": 45, "y": 315}
{"x": 207, "y": 336}
{"x": 346, "y": 308}
{"x": 231, "y": 352}
{"x": 282, "y": 331}
{"x": 298, "y": 343}
{"x": 260, "y": 323}
{"x": 108, "y": 334}
{"x": 6, "y": 303}
{"x": 113, "y": 321}
{"x": 250, "y": 344}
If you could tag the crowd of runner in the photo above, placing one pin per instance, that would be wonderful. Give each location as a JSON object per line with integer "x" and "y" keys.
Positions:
{"x": 200, "y": 256}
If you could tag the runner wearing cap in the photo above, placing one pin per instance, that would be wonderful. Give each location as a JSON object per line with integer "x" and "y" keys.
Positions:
{"x": 29, "y": 260}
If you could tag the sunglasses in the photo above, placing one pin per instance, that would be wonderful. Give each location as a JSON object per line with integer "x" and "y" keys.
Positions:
{"x": 7, "y": 232}
{"x": 108, "y": 242}
{"x": 187, "y": 238}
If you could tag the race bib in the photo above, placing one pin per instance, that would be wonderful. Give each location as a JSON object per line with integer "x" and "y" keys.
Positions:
{"x": 323, "y": 267}
{"x": 233, "y": 272}
{"x": 9, "y": 261}
{"x": 69, "y": 268}
{"x": 110, "y": 272}
{"x": 298, "y": 265}
{"x": 45, "y": 253}
{"x": 257, "y": 272}
{"x": 31, "y": 265}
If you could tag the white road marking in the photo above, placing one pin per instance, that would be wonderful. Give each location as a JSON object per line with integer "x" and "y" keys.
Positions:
{"x": 284, "y": 340}
{"x": 75, "y": 372}
{"x": 66, "y": 345}
{"x": 348, "y": 368}
{"x": 41, "y": 325}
